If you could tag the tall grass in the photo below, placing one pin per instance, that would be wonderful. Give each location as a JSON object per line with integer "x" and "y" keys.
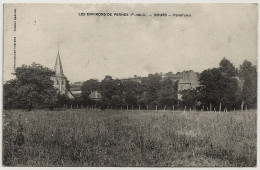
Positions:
{"x": 129, "y": 138}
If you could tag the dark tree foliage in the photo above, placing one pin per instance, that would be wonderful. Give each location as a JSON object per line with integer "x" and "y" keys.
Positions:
{"x": 88, "y": 87}
{"x": 152, "y": 91}
{"x": 227, "y": 68}
{"x": 10, "y": 95}
{"x": 169, "y": 74}
{"x": 111, "y": 91}
{"x": 218, "y": 85}
{"x": 32, "y": 87}
{"x": 153, "y": 88}
{"x": 218, "y": 88}
{"x": 108, "y": 90}
{"x": 167, "y": 95}
{"x": 63, "y": 100}
{"x": 131, "y": 92}
{"x": 248, "y": 73}
{"x": 191, "y": 98}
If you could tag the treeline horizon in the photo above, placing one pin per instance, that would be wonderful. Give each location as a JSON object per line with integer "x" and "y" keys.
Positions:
{"x": 218, "y": 86}
{"x": 135, "y": 76}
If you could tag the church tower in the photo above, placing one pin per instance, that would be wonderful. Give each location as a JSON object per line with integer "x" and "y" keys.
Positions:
{"x": 60, "y": 79}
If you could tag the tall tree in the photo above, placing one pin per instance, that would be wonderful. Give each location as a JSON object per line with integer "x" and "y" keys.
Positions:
{"x": 248, "y": 73}
{"x": 109, "y": 88}
{"x": 33, "y": 86}
{"x": 218, "y": 88}
{"x": 131, "y": 92}
{"x": 153, "y": 87}
{"x": 167, "y": 95}
{"x": 227, "y": 68}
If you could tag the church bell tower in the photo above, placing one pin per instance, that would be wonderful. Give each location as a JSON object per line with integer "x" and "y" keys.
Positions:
{"x": 59, "y": 78}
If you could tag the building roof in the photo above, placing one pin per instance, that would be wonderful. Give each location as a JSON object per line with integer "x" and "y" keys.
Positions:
{"x": 58, "y": 67}
{"x": 95, "y": 95}
{"x": 75, "y": 88}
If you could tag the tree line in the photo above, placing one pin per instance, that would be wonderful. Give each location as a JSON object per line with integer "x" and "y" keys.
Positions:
{"x": 150, "y": 92}
{"x": 230, "y": 86}
{"x": 225, "y": 87}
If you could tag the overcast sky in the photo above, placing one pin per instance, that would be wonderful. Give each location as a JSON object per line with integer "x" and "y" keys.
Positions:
{"x": 92, "y": 47}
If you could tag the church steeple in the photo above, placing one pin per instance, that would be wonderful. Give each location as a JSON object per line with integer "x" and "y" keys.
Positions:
{"x": 59, "y": 79}
{"x": 58, "y": 67}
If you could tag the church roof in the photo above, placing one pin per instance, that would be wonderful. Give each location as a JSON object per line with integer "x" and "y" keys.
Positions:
{"x": 58, "y": 67}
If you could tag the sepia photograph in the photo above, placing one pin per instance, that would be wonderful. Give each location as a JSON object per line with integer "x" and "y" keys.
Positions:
{"x": 129, "y": 85}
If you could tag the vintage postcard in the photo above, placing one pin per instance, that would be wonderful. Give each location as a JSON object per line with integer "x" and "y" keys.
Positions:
{"x": 130, "y": 85}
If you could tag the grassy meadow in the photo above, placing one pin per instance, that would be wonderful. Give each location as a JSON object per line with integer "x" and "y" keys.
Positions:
{"x": 82, "y": 137}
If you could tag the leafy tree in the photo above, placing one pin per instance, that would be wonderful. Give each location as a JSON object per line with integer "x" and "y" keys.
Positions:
{"x": 63, "y": 99}
{"x": 167, "y": 95}
{"x": 90, "y": 86}
{"x": 32, "y": 86}
{"x": 248, "y": 73}
{"x": 169, "y": 74}
{"x": 218, "y": 88}
{"x": 109, "y": 88}
{"x": 131, "y": 92}
{"x": 152, "y": 87}
{"x": 10, "y": 94}
{"x": 191, "y": 97}
{"x": 108, "y": 77}
{"x": 227, "y": 68}
{"x": 116, "y": 100}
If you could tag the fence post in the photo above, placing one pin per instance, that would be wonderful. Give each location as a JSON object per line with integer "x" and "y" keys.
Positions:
{"x": 190, "y": 109}
{"x": 173, "y": 108}
{"x": 220, "y": 107}
{"x": 147, "y": 107}
{"x": 164, "y": 108}
{"x": 132, "y": 107}
{"x": 184, "y": 109}
{"x": 156, "y": 108}
{"x": 127, "y": 107}
{"x": 71, "y": 106}
{"x": 242, "y": 106}
{"x": 139, "y": 107}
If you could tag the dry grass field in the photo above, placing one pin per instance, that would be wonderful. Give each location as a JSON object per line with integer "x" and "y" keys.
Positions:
{"x": 83, "y": 137}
